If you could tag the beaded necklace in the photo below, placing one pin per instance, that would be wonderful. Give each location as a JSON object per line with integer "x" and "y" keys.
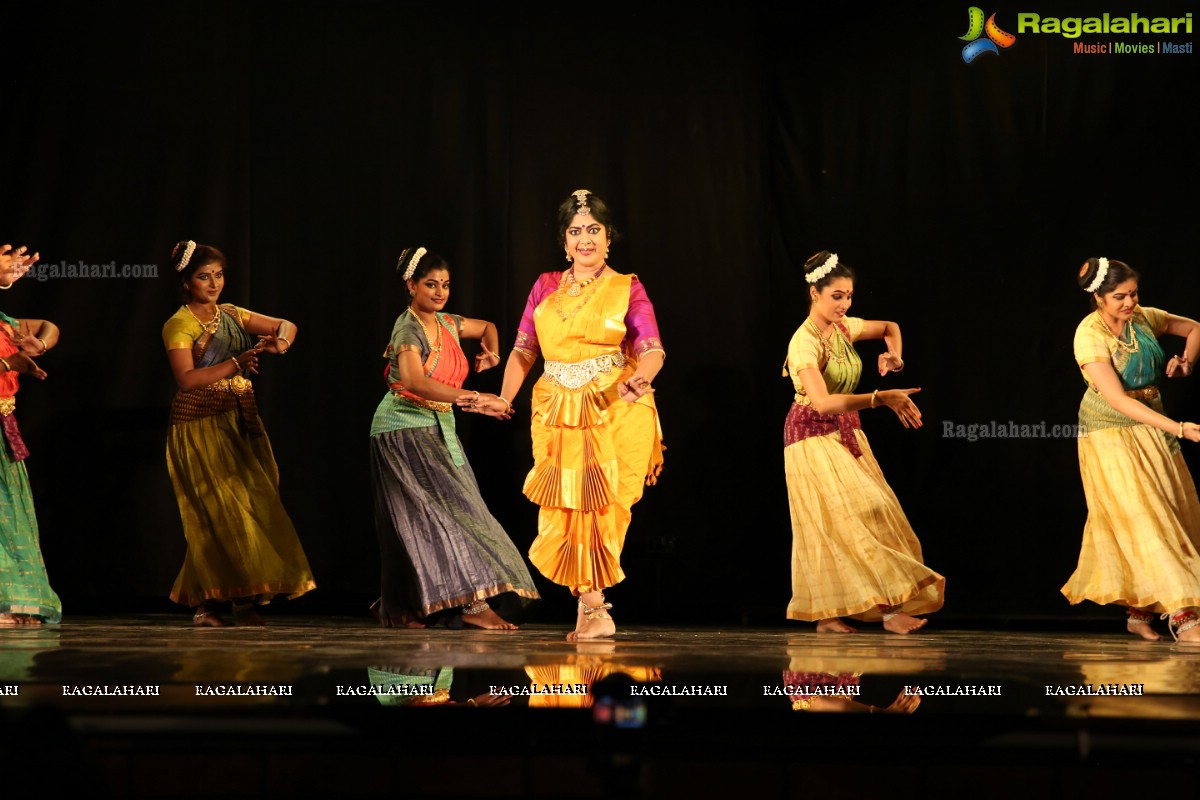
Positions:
{"x": 575, "y": 288}
{"x": 1132, "y": 346}
{"x": 567, "y": 284}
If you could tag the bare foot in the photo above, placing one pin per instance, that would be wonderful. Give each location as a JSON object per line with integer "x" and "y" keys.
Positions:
{"x": 207, "y": 617}
{"x": 592, "y": 620}
{"x": 903, "y": 623}
{"x": 904, "y": 703}
{"x": 246, "y": 616}
{"x": 834, "y": 625}
{"x": 488, "y": 620}
{"x": 9, "y": 620}
{"x": 1191, "y": 635}
{"x": 1143, "y": 630}
{"x": 597, "y": 626}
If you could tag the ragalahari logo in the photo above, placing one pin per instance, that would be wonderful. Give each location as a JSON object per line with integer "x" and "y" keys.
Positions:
{"x": 976, "y": 27}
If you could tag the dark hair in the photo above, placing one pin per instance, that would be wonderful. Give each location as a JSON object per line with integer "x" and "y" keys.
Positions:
{"x": 427, "y": 262}
{"x": 1118, "y": 273}
{"x": 817, "y": 260}
{"x": 201, "y": 256}
{"x": 598, "y": 209}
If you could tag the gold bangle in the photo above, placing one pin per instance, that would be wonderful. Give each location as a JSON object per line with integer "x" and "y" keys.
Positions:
{"x": 10, "y": 285}
{"x": 873, "y": 395}
{"x": 1180, "y": 429}
{"x": 508, "y": 405}
{"x": 236, "y": 365}
{"x": 45, "y": 346}
{"x": 7, "y": 366}
{"x": 285, "y": 339}
{"x": 899, "y": 368}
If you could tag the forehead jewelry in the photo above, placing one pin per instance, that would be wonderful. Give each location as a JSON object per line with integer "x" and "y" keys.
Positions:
{"x": 581, "y": 197}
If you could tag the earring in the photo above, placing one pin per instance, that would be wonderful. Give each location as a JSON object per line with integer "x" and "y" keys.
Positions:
{"x": 569, "y": 256}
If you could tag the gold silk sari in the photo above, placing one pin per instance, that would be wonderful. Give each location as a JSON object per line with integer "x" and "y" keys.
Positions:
{"x": 593, "y": 452}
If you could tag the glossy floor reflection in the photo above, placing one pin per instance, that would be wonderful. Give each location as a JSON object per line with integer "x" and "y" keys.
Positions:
{"x": 337, "y": 707}
{"x": 158, "y": 664}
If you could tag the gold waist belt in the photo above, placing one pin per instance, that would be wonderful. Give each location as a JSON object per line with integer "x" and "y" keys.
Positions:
{"x": 7, "y": 405}
{"x": 573, "y": 375}
{"x": 1145, "y": 394}
{"x": 432, "y": 405}
{"x": 237, "y": 385}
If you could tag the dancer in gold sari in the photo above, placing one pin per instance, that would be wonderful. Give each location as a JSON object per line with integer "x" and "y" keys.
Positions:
{"x": 596, "y": 435}
{"x": 241, "y": 546}
{"x": 1142, "y": 534}
{"x": 854, "y": 553}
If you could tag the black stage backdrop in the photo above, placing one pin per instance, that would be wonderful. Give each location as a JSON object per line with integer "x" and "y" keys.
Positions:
{"x": 313, "y": 141}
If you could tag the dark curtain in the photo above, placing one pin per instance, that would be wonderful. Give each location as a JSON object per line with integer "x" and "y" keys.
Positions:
{"x": 314, "y": 141}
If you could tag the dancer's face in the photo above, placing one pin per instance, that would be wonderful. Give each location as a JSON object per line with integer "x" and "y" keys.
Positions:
{"x": 1120, "y": 302}
{"x": 430, "y": 292}
{"x": 833, "y": 302}
{"x": 586, "y": 242}
{"x": 206, "y": 283}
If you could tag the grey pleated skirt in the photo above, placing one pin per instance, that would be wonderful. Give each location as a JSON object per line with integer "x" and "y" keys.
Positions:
{"x": 439, "y": 545}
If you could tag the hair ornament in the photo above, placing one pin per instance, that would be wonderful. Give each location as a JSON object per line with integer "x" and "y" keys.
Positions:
{"x": 581, "y": 197}
{"x": 1101, "y": 274}
{"x": 823, "y": 270}
{"x": 412, "y": 263}
{"x": 187, "y": 255}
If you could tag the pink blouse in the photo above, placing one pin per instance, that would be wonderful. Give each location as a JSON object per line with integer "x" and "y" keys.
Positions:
{"x": 641, "y": 327}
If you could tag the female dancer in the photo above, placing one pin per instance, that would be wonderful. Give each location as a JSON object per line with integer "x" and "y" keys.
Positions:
{"x": 25, "y": 594}
{"x": 441, "y": 548}
{"x": 853, "y": 552}
{"x": 596, "y": 436}
{"x": 1143, "y": 527}
{"x": 241, "y": 546}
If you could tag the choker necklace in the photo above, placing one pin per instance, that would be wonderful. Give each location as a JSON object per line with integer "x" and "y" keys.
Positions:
{"x": 209, "y": 327}
{"x": 435, "y": 348}
{"x": 575, "y": 288}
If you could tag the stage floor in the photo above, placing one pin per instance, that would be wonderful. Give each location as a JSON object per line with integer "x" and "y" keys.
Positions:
{"x": 309, "y": 703}
{"x": 159, "y": 663}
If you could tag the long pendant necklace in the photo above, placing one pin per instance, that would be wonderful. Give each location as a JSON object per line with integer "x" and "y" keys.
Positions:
{"x": 436, "y": 348}
{"x": 831, "y": 354}
{"x": 1132, "y": 346}
{"x": 209, "y": 327}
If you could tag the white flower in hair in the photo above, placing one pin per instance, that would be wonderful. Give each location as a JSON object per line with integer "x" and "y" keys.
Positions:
{"x": 188, "y": 249}
{"x": 1101, "y": 274}
{"x": 412, "y": 263}
{"x": 823, "y": 270}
